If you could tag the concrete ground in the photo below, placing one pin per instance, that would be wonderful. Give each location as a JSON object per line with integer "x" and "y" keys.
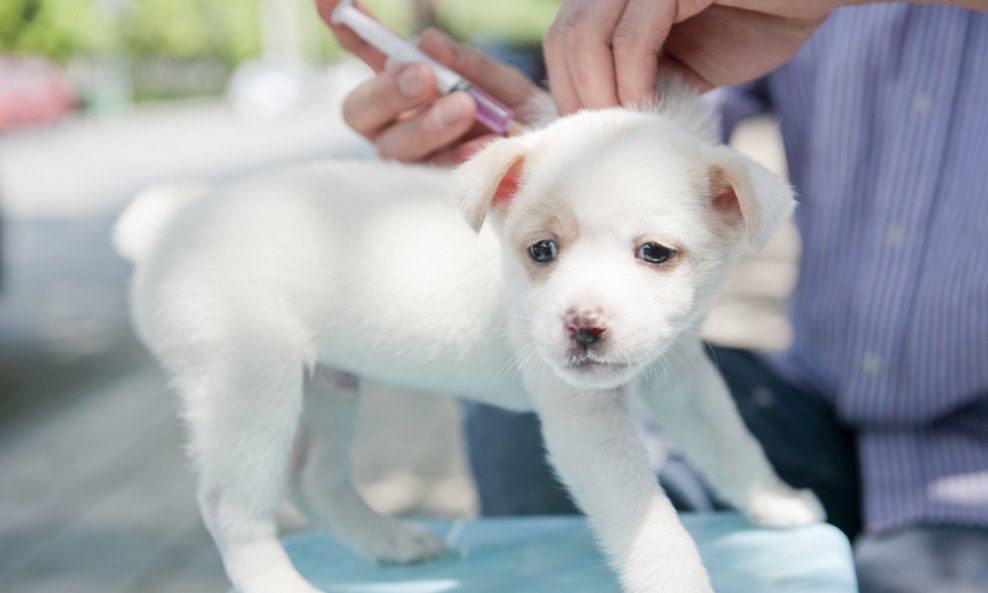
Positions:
{"x": 95, "y": 494}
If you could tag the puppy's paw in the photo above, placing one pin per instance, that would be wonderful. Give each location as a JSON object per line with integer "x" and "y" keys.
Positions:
{"x": 392, "y": 542}
{"x": 784, "y": 507}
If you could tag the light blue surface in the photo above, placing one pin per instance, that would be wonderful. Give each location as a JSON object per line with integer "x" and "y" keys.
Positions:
{"x": 557, "y": 554}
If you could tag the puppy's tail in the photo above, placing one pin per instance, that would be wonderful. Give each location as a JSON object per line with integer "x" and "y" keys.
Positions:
{"x": 139, "y": 227}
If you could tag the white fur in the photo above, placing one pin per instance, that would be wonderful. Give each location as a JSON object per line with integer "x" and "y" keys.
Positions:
{"x": 265, "y": 298}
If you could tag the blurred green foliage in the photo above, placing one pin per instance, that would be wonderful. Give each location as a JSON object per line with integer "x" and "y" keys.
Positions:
{"x": 56, "y": 28}
{"x": 228, "y": 30}
{"x": 520, "y": 22}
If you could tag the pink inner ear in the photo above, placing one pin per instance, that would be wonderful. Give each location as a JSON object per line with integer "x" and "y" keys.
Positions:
{"x": 509, "y": 183}
{"x": 727, "y": 203}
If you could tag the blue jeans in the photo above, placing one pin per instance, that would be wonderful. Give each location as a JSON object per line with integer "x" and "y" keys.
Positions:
{"x": 804, "y": 442}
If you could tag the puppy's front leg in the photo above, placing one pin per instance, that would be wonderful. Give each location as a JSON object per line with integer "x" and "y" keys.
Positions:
{"x": 594, "y": 448}
{"x": 694, "y": 407}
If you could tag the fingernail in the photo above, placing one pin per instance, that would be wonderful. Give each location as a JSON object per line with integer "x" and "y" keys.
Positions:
{"x": 449, "y": 112}
{"x": 411, "y": 83}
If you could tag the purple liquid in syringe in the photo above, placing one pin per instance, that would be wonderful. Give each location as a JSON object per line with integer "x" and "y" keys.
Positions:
{"x": 490, "y": 112}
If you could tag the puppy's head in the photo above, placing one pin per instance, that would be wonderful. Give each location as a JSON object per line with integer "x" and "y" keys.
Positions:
{"x": 619, "y": 228}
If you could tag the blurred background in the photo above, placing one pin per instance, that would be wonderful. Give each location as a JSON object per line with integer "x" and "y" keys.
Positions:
{"x": 101, "y": 98}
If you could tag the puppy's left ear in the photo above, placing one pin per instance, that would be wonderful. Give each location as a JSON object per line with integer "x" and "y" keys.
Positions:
{"x": 489, "y": 180}
{"x": 747, "y": 192}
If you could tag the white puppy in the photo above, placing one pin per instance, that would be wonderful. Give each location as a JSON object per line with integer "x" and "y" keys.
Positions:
{"x": 609, "y": 235}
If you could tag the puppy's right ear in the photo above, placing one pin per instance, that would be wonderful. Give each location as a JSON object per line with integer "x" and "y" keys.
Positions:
{"x": 489, "y": 180}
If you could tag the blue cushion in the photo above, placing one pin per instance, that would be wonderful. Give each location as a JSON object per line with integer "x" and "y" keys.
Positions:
{"x": 557, "y": 554}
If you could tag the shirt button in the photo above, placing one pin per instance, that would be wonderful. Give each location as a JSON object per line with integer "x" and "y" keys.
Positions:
{"x": 895, "y": 236}
{"x": 872, "y": 364}
{"x": 922, "y": 102}
{"x": 763, "y": 397}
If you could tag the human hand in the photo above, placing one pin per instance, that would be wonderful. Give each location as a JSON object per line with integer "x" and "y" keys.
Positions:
{"x": 400, "y": 109}
{"x": 602, "y": 53}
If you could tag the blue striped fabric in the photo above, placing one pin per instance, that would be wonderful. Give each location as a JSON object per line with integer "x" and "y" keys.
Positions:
{"x": 884, "y": 114}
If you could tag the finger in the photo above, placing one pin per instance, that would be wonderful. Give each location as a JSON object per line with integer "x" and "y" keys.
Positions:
{"x": 501, "y": 81}
{"x": 376, "y": 103}
{"x": 587, "y": 32}
{"x": 349, "y": 40}
{"x": 557, "y": 69}
{"x": 637, "y": 41}
{"x": 429, "y": 130}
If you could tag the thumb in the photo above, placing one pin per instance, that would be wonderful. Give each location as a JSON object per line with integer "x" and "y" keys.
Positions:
{"x": 503, "y": 82}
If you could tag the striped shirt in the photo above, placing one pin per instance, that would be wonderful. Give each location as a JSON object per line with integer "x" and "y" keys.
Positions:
{"x": 884, "y": 114}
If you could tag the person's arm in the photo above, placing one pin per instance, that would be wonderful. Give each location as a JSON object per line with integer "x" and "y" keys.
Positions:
{"x": 981, "y": 5}
{"x": 602, "y": 53}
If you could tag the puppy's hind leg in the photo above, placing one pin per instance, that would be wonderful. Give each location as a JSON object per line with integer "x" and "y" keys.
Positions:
{"x": 324, "y": 483}
{"x": 242, "y": 405}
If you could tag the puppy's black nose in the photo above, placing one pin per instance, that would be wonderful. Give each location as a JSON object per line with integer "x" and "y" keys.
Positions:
{"x": 585, "y": 327}
{"x": 587, "y": 335}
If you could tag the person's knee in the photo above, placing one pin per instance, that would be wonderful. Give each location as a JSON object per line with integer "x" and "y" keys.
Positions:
{"x": 922, "y": 559}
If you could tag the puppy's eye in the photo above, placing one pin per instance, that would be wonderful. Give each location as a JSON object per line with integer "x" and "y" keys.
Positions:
{"x": 543, "y": 251}
{"x": 654, "y": 253}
